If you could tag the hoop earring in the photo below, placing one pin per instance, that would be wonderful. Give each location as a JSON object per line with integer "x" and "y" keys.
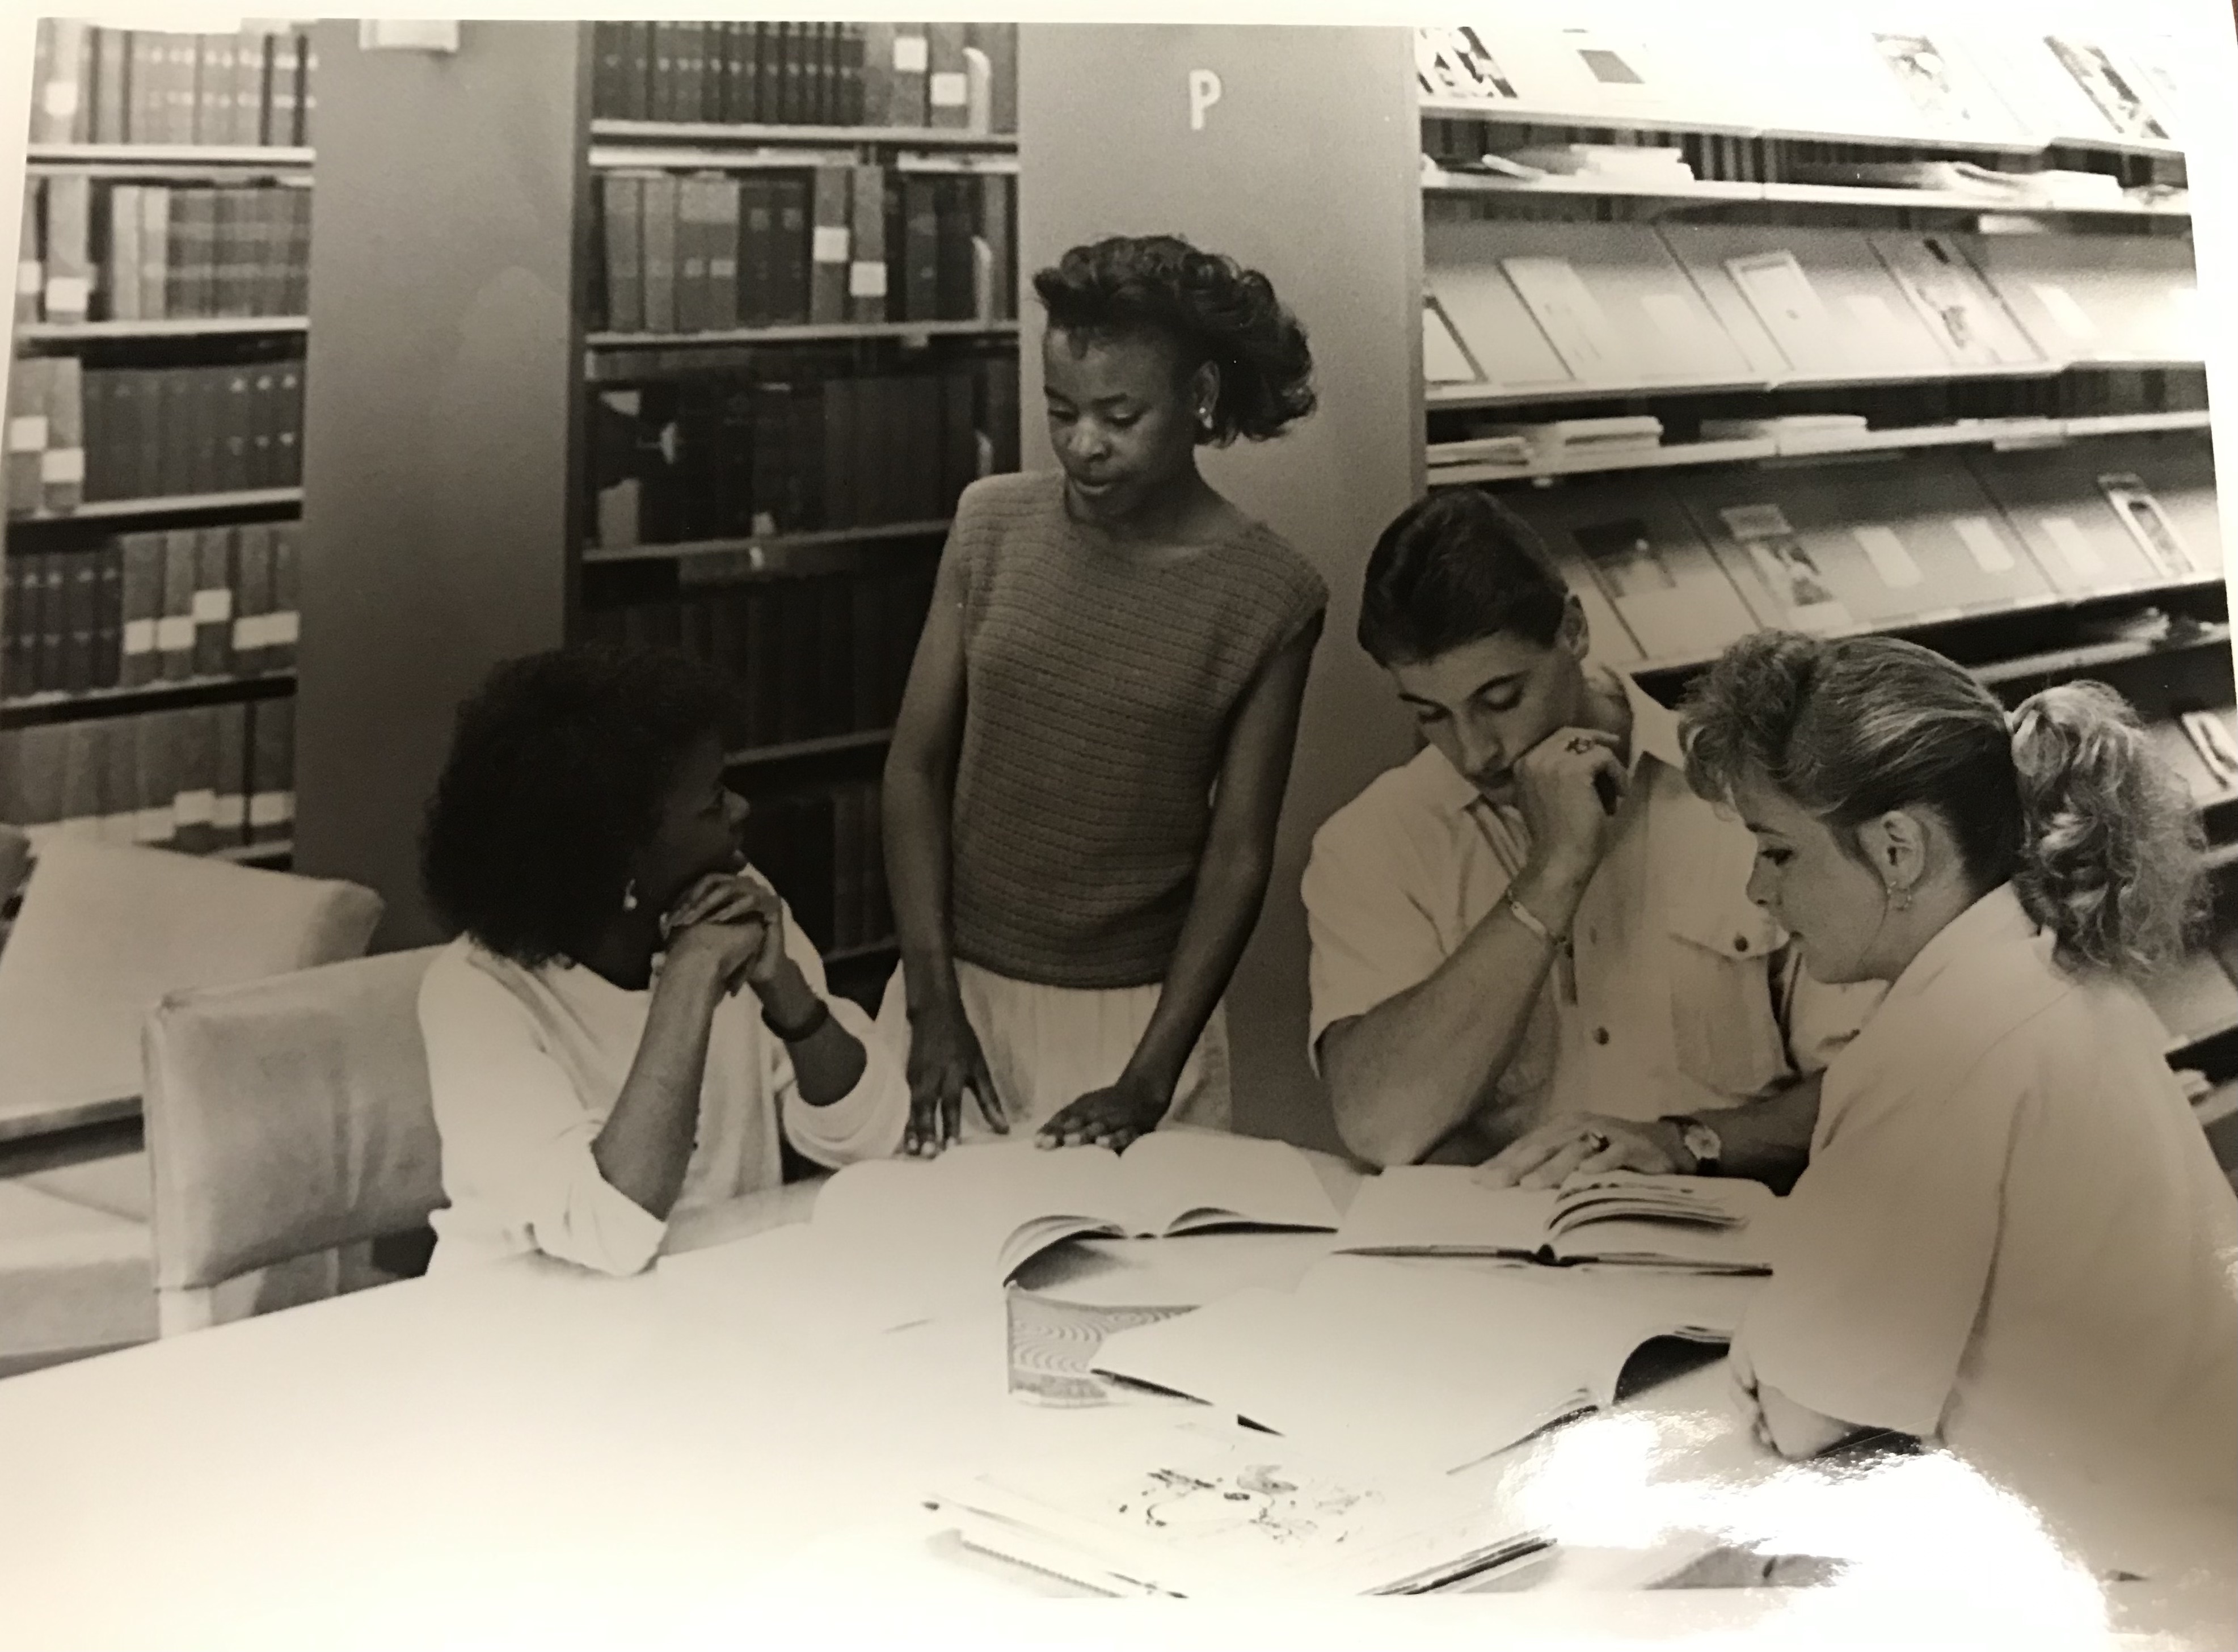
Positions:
{"x": 629, "y": 896}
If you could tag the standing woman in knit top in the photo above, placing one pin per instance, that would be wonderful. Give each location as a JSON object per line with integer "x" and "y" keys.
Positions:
{"x": 1088, "y": 768}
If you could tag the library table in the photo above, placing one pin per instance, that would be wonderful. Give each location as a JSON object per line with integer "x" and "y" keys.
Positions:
{"x": 527, "y": 1454}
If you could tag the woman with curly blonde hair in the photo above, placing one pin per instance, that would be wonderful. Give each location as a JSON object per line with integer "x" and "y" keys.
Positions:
{"x": 2013, "y": 1237}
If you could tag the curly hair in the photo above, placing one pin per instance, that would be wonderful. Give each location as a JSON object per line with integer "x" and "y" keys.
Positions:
{"x": 2066, "y": 799}
{"x": 1210, "y": 307}
{"x": 1451, "y": 569}
{"x": 557, "y": 768}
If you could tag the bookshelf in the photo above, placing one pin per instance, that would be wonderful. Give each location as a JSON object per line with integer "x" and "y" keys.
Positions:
{"x": 2032, "y": 492}
{"x": 154, "y": 465}
{"x": 704, "y": 363}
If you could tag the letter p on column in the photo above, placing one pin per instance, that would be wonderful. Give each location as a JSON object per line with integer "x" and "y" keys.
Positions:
{"x": 1204, "y": 92}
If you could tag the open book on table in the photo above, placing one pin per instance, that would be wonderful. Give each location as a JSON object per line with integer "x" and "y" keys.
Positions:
{"x": 967, "y": 1220}
{"x": 1201, "y": 1509}
{"x": 1712, "y": 1223}
{"x": 1427, "y": 1364}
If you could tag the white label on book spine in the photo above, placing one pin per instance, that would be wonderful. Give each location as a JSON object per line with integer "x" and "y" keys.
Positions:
{"x": 268, "y": 809}
{"x": 2075, "y": 545}
{"x": 62, "y": 465}
{"x": 866, "y": 279}
{"x": 68, "y": 294}
{"x": 213, "y": 606}
{"x": 1982, "y": 537}
{"x": 195, "y": 808}
{"x": 912, "y": 54}
{"x": 27, "y": 433}
{"x": 152, "y": 825}
{"x": 949, "y": 90}
{"x": 2072, "y": 319}
{"x": 1890, "y": 560}
{"x": 832, "y": 243}
{"x": 285, "y": 626}
{"x": 229, "y": 812}
{"x": 175, "y": 632}
{"x": 60, "y": 99}
{"x": 31, "y": 276}
{"x": 139, "y": 637}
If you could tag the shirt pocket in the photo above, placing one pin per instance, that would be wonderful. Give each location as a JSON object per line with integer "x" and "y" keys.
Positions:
{"x": 1724, "y": 1032}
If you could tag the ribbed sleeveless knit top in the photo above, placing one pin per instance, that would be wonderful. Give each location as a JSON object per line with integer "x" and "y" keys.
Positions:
{"x": 1100, "y": 690}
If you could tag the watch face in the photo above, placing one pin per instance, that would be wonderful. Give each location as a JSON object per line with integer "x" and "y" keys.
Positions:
{"x": 1702, "y": 1142}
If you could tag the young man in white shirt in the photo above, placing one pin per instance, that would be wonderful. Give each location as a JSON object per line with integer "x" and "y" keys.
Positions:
{"x": 1533, "y": 945}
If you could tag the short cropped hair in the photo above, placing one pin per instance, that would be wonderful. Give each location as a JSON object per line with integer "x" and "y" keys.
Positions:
{"x": 1452, "y": 569}
{"x": 557, "y": 769}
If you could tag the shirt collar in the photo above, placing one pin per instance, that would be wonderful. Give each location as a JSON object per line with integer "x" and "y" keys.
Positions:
{"x": 1654, "y": 733}
{"x": 1995, "y": 921}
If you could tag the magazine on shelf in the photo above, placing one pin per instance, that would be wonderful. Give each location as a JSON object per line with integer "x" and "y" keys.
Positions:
{"x": 1445, "y": 358}
{"x": 1791, "y": 311}
{"x": 1571, "y": 319}
{"x": 1801, "y": 597}
{"x": 1966, "y": 318}
{"x": 1453, "y": 62}
{"x": 2052, "y": 499}
{"x": 1202, "y": 1510}
{"x": 2119, "y": 99}
{"x": 1423, "y": 1365}
{"x": 2211, "y": 737}
{"x": 1715, "y": 1224}
{"x": 2147, "y": 524}
{"x": 1461, "y": 271}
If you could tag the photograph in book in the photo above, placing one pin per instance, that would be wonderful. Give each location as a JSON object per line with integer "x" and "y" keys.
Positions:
{"x": 1785, "y": 566}
{"x": 1924, "y": 72}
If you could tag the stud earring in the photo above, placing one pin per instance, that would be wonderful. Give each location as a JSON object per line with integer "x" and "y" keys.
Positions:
{"x": 1900, "y": 898}
{"x": 1204, "y": 420}
{"x": 629, "y": 896}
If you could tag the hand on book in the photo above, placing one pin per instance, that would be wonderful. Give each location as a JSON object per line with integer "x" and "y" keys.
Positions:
{"x": 1587, "y": 1145}
{"x": 944, "y": 1061}
{"x": 1111, "y": 1117}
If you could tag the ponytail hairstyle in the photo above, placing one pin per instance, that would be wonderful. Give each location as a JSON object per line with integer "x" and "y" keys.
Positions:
{"x": 2065, "y": 799}
{"x": 1208, "y": 306}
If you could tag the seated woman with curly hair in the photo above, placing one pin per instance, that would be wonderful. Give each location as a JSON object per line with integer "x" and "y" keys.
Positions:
{"x": 2012, "y": 1238}
{"x": 1090, "y": 762}
{"x": 630, "y": 1014}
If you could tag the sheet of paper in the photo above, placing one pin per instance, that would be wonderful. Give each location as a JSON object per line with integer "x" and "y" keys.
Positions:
{"x": 1572, "y": 318}
{"x": 1886, "y": 549}
{"x": 2074, "y": 547}
{"x": 1990, "y": 551}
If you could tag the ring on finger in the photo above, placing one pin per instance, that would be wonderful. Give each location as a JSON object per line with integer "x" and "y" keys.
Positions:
{"x": 1596, "y": 1141}
{"x": 1579, "y": 746}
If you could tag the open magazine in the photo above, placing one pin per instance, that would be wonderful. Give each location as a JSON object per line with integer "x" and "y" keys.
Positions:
{"x": 1422, "y": 1364}
{"x": 1712, "y": 1224}
{"x": 967, "y": 1220}
{"x": 1204, "y": 1510}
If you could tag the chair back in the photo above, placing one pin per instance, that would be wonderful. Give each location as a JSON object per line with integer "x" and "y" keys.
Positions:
{"x": 108, "y": 929}
{"x": 286, "y": 1118}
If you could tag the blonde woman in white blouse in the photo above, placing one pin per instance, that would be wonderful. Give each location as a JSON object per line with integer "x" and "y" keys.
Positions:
{"x": 630, "y": 1016}
{"x": 2012, "y": 1238}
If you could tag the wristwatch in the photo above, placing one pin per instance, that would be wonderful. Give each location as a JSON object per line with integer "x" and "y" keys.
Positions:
{"x": 1703, "y": 1144}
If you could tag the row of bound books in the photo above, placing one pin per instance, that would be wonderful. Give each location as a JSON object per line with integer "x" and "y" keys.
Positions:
{"x": 97, "y": 250}
{"x": 825, "y": 244}
{"x": 1674, "y": 569}
{"x": 825, "y": 852}
{"x": 79, "y": 434}
{"x": 808, "y": 657}
{"x": 143, "y": 608}
{"x": 196, "y": 778}
{"x": 95, "y": 85}
{"x": 956, "y": 75}
{"x": 1521, "y": 306}
{"x": 729, "y": 456}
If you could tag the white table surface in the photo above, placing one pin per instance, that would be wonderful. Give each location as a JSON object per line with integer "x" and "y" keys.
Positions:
{"x": 531, "y": 1455}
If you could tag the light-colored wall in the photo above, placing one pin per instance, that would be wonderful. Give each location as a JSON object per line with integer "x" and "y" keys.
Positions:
{"x": 443, "y": 386}
{"x": 1305, "y": 168}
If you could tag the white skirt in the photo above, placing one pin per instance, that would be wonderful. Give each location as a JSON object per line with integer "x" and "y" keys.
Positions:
{"x": 1046, "y": 1046}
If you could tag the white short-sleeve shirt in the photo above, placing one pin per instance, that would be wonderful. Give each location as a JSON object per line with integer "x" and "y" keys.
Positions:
{"x": 1680, "y": 994}
{"x": 2013, "y": 1236}
{"x": 525, "y": 1064}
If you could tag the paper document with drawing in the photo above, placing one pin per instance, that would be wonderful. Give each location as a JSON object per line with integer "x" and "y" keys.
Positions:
{"x": 970, "y": 1219}
{"x": 1422, "y": 1364}
{"x": 1714, "y": 1224}
{"x": 1205, "y": 1510}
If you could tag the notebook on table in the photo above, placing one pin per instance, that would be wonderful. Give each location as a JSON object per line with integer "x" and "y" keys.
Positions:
{"x": 1712, "y": 1224}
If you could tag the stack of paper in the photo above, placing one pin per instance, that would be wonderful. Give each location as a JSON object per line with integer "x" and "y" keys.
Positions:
{"x": 1512, "y": 450}
{"x": 1952, "y": 177}
{"x": 1612, "y": 162}
{"x": 1428, "y": 1366}
{"x": 1794, "y": 432}
{"x": 1559, "y": 440}
{"x": 1204, "y": 1511}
